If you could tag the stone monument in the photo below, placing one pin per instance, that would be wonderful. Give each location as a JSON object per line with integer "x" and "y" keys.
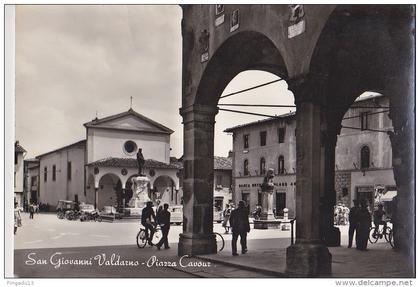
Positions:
{"x": 140, "y": 195}
{"x": 267, "y": 219}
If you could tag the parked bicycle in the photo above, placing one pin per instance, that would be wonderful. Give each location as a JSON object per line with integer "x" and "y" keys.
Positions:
{"x": 142, "y": 240}
{"x": 220, "y": 241}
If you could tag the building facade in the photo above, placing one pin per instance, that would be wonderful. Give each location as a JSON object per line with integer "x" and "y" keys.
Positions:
{"x": 19, "y": 174}
{"x": 363, "y": 157}
{"x": 258, "y": 146}
{"x": 31, "y": 181}
{"x": 364, "y": 154}
{"x": 222, "y": 182}
{"x": 98, "y": 170}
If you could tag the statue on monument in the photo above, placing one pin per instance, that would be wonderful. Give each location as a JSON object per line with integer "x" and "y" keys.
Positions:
{"x": 268, "y": 183}
{"x": 140, "y": 162}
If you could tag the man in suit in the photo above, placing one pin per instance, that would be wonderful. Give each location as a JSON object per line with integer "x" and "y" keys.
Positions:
{"x": 164, "y": 220}
{"x": 353, "y": 221}
{"x": 239, "y": 223}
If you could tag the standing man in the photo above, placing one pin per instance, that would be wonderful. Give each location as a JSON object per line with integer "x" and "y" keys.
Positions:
{"x": 239, "y": 223}
{"x": 164, "y": 219}
{"x": 31, "y": 210}
{"x": 353, "y": 220}
{"x": 146, "y": 220}
{"x": 363, "y": 227}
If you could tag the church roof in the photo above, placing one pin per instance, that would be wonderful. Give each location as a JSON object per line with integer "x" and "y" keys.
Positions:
{"x": 106, "y": 123}
{"x": 132, "y": 162}
{"x": 80, "y": 143}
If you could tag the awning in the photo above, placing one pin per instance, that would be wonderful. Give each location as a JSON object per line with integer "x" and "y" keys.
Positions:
{"x": 389, "y": 195}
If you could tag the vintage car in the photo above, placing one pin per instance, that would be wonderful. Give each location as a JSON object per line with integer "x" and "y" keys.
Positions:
{"x": 109, "y": 213}
{"x": 65, "y": 207}
{"x": 177, "y": 214}
{"x": 88, "y": 212}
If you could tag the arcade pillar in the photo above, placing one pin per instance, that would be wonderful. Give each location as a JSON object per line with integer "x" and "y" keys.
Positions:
{"x": 309, "y": 257}
{"x": 329, "y": 233}
{"x": 197, "y": 235}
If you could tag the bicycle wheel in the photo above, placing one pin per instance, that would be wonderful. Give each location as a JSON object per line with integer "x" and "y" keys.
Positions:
{"x": 373, "y": 238}
{"x": 387, "y": 233}
{"x": 391, "y": 238}
{"x": 157, "y": 236}
{"x": 221, "y": 240}
{"x": 141, "y": 238}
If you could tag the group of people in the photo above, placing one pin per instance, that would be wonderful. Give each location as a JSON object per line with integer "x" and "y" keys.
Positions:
{"x": 237, "y": 218}
{"x": 161, "y": 218}
{"x": 360, "y": 220}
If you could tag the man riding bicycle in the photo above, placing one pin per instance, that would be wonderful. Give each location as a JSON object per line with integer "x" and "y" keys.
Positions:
{"x": 146, "y": 220}
{"x": 378, "y": 216}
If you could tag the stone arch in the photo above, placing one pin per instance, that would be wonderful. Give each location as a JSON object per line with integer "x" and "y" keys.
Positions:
{"x": 108, "y": 184}
{"x": 247, "y": 50}
{"x": 164, "y": 189}
{"x": 370, "y": 48}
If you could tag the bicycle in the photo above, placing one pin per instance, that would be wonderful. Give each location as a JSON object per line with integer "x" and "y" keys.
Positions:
{"x": 374, "y": 236}
{"x": 219, "y": 238}
{"x": 141, "y": 237}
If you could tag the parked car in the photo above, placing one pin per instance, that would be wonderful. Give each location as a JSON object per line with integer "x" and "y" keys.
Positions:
{"x": 64, "y": 207}
{"x": 110, "y": 211}
{"x": 88, "y": 212}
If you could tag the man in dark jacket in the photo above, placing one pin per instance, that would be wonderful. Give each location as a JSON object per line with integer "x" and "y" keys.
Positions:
{"x": 164, "y": 220}
{"x": 239, "y": 223}
{"x": 353, "y": 220}
{"x": 146, "y": 220}
{"x": 363, "y": 227}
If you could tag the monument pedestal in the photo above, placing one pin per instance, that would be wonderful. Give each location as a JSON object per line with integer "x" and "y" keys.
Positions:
{"x": 267, "y": 219}
{"x": 140, "y": 196}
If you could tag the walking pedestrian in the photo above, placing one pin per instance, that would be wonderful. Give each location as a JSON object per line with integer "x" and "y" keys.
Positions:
{"x": 31, "y": 211}
{"x": 363, "y": 227}
{"x": 226, "y": 216}
{"x": 239, "y": 223}
{"x": 164, "y": 220}
{"x": 353, "y": 220}
{"x": 17, "y": 218}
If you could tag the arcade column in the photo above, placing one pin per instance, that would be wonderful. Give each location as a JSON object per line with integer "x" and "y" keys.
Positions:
{"x": 309, "y": 257}
{"x": 197, "y": 236}
{"x": 329, "y": 233}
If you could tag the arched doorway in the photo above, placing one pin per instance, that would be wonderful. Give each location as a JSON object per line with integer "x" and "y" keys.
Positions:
{"x": 109, "y": 193}
{"x": 164, "y": 190}
{"x": 379, "y": 60}
{"x": 242, "y": 51}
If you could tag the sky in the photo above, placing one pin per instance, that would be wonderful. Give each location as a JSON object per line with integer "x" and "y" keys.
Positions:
{"x": 76, "y": 62}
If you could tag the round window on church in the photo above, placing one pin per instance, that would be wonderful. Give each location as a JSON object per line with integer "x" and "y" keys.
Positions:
{"x": 130, "y": 147}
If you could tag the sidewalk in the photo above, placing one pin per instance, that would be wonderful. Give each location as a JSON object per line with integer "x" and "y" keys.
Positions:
{"x": 268, "y": 256}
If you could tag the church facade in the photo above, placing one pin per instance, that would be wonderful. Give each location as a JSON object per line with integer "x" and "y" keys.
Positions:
{"x": 98, "y": 170}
